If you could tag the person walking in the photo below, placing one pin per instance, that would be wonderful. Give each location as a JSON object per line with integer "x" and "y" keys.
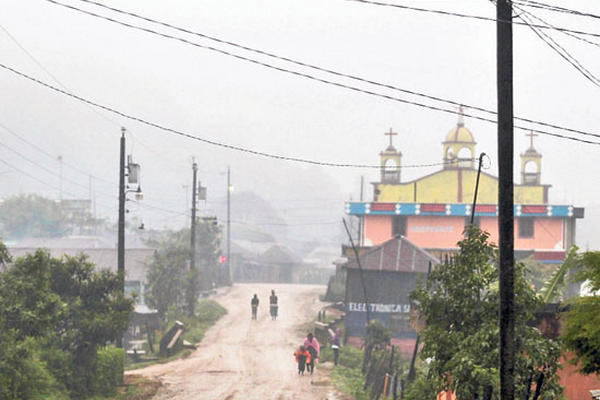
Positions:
{"x": 273, "y": 307}
{"x": 312, "y": 345}
{"x": 254, "y": 305}
{"x": 335, "y": 345}
{"x": 302, "y": 358}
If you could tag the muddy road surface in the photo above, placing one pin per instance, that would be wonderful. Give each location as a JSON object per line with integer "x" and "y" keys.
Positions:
{"x": 244, "y": 359}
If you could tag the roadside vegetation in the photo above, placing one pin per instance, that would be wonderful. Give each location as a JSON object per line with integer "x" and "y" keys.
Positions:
{"x": 457, "y": 324}
{"x": 56, "y": 318}
{"x": 207, "y": 313}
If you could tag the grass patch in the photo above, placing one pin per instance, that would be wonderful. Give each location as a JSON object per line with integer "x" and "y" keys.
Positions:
{"x": 207, "y": 313}
{"x": 135, "y": 387}
{"x": 130, "y": 365}
{"x": 347, "y": 376}
{"x": 349, "y": 381}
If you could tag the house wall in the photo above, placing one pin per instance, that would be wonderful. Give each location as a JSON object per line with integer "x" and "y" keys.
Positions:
{"x": 456, "y": 186}
{"x": 377, "y": 229}
{"x": 387, "y": 293}
{"x": 577, "y": 386}
{"x": 435, "y": 232}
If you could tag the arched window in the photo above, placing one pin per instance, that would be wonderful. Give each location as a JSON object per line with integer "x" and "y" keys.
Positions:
{"x": 530, "y": 167}
{"x": 465, "y": 154}
{"x": 449, "y": 153}
{"x": 465, "y": 157}
{"x": 390, "y": 165}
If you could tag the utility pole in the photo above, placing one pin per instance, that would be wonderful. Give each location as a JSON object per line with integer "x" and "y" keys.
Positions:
{"x": 229, "y": 225}
{"x": 60, "y": 164}
{"x": 476, "y": 188}
{"x": 360, "y": 221}
{"x": 193, "y": 222}
{"x": 504, "y": 44}
{"x": 121, "y": 228}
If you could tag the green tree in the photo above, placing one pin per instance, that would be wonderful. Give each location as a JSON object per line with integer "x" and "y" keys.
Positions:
{"x": 459, "y": 303}
{"x": 55, "y": 316}
{"x": 36, "y": 216}
{"x": 31, "y": 215}
{"x": 168, "y": 272}
{"x": 171, "y": 284}
{"x": 582, "y": 321}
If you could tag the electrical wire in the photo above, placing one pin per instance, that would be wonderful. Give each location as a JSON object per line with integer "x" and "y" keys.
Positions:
{"x": 35, "y": 178}
{"x": 535, "y": 17}
{"x": 225, "y": 145}
{"x": 300, "y": 63}
{"x": 544, "y": 6}
{"x": 455, "y": 14}
{"x": 53, "y": 157}
{"x": 561, "y": 51}
{"x": 45, "y": 168}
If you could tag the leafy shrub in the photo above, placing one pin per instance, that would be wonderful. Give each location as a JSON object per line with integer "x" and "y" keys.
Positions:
{"x": 109, "y": 370}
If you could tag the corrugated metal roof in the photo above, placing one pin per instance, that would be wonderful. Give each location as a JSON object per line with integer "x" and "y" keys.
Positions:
{"x": 397, "y": 254}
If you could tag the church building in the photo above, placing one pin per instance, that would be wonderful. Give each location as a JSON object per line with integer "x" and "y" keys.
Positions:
{"x": 432, "y": 211}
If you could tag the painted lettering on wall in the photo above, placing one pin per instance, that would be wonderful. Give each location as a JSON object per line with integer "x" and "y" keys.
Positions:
{"x": 377, "y": 307}
{"x": 427, "y": 228}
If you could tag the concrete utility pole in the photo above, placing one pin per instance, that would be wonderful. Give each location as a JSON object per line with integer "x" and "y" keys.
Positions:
{"x": 504, "y": 50}
{"x": 193, "y": 222}
{"x": 121, "y": 227}
{"x": 229, "y": 225}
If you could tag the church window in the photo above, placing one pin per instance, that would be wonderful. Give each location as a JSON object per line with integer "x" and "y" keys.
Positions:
{"x": 465, "y": 157}
{"x": 525, "y": 227}
{"x": 398, "y": 225}
{"x": 530, "y": 167}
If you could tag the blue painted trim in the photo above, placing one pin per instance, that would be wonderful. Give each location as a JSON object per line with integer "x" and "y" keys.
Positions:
{"x": 457, "y": 210}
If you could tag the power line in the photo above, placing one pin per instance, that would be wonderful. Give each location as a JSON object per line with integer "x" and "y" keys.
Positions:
{"x": 35, "y": 178}
{"x": 455, "y": 14}
{"x": 43, "y": 167}
{"x": 38, "y": 148}
{"x": 561, "y": 51}
{"x": 544, "y": 6}
{"x": 304, "y": 64}
{"x": 62, "y": 85}
{"x": 550, "y": 25}
{"x": 228, "y": 146}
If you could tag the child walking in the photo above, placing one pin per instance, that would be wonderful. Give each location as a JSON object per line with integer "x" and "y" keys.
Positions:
{"x": 302, "y": 358}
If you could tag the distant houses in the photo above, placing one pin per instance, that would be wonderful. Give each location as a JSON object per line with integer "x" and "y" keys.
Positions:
{"x": 101, "y": 251}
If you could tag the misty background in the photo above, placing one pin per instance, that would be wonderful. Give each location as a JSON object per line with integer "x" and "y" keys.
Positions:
{"x": 231, "y": 101}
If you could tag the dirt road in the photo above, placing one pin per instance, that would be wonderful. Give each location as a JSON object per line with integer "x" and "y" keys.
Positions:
{"x": 244, "y": 359}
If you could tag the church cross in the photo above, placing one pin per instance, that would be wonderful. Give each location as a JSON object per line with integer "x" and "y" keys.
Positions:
{"x": 531, "y": 136}
{"x": 390, "y": 134}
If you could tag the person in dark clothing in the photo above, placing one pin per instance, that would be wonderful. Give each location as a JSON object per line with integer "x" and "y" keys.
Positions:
{"x": 254, "y": 305}
{"x": 273, "y": 305}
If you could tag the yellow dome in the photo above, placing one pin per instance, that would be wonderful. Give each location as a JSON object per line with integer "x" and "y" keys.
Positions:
{"x": 460, "y": 134}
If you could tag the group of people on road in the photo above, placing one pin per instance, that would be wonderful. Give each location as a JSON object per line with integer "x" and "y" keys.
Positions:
{"x": 307, "y": 354}
{"x": 273, "y": 305}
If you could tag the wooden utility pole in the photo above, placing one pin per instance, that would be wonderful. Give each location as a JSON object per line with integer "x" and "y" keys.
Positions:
{"x": 228, "y": 260}
{"x": 505, "y": 196}
{"x": 193, "y": 221}
{"x": 360, "y": 221}
{"x": 121, "y": 224}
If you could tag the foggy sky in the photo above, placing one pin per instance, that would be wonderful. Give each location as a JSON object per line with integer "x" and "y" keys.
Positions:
{"x": 235, "y": 102}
